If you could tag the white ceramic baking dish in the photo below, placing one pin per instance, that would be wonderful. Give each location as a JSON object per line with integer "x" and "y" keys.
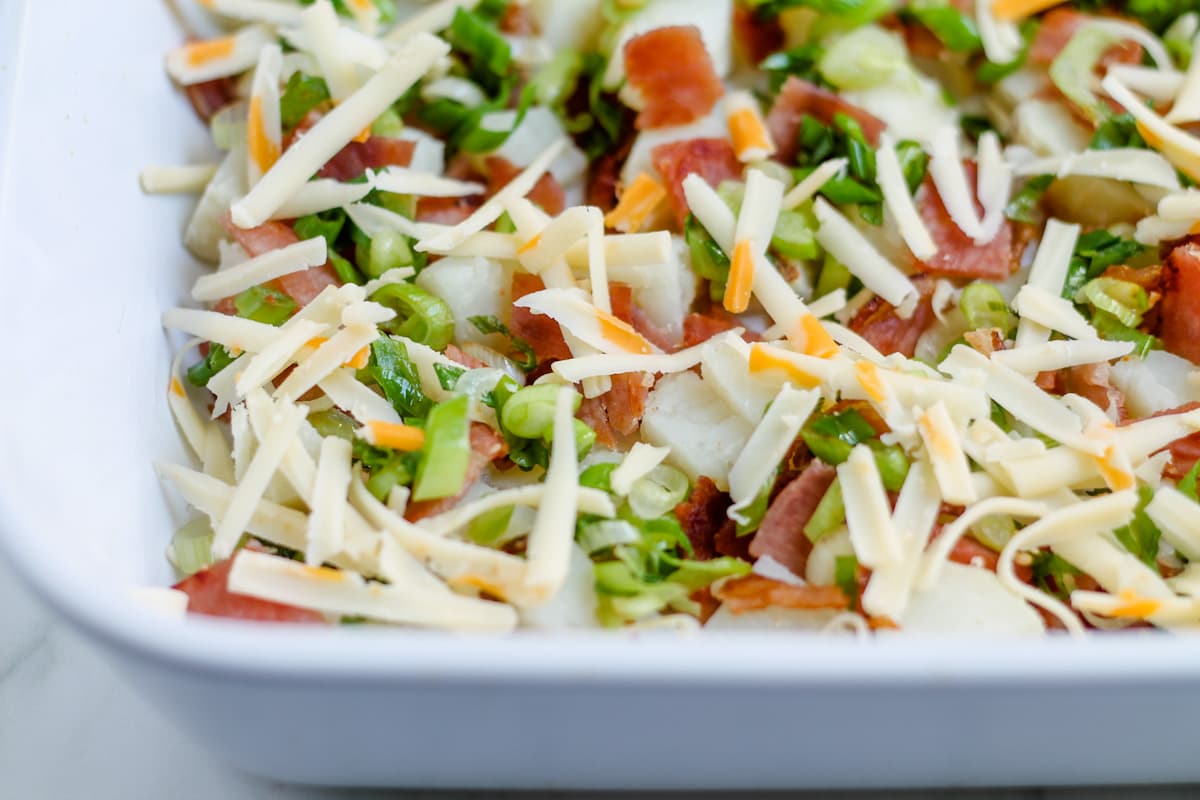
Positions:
{"x": 86, "y": 264}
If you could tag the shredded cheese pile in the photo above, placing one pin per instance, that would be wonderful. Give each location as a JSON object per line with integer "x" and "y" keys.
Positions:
{"x": 985, "y": 434}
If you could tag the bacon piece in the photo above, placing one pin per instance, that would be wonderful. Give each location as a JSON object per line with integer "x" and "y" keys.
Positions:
{"x": 754, "y": 593}
{"x": 623, "y": 308}
{"x": 1184, "y": 451}
{"x": 470, "y": 362}
{"x": 593, "y": 412}
{"x": 209, "y": 97}
{"x": 703, "y": 518}
{"x": 376, "y": 152}
{"x": 547, "y": 192}
{"x": 1093, "y": 382}
{"x": 878, "y": 323}
{"x": 672, "y": 70}
{"x": 301, "y": 286}
{"x": 518, "y": 20}
{"x": 711, "y": 159}
{"x": 1060, "y": 25}
{"x": 958, "y": 256}
{"x": 604, "y": 176}
{"x": 699, "y": 327}
{"x": 781, "y": 533}
{"x": 985, "y": 340}
{"x": 486, "y": 447}
{"x": 447, "y": 210}
{"x": 756, "y": 37}
{"x": 541, "y": 332}
{"x": 797, "y": 98}
{"x": 1180, "y": 304}
{"x": 208, "y": 594}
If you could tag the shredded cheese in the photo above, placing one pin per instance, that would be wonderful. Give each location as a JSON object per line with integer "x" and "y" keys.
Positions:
{"x": 767, "y": 446}
{"x": 751, "y": 139}
{"x": 197, "y": 62}
{"x": 335, "y": 130}
{"x": 844, "y": 242}
{"x": 190, "y": 179}
{"x": 636, "y": 205}
{"x": 638, "y": 463}
{"x": 260, "y": 269}
{"x": 549, "y": 545}
{"x": 900, "y": 202}
{"x": 326, "y": 522}
{"x": 945, "y": 452}
{"x": 868, "y": 513}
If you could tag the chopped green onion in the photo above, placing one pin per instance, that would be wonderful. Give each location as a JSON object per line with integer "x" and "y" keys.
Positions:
{"x": 1096, "y": 251}
{"x": 831, "y": 437}
{"x": 530, "y": 412}
{"x": 1141, "y": 535}
{"x": 864, "y": 59}
{"x": 489, "y": 527}
{"x": 420, "y": 316}
{"x": 333, "y": 422}
{"x": 696, "y": 575}
{"x": 388, "y": 124}
{"x": 302, "y": 94}
{"x": 845, "y": 575}
{"x": 952, "y": 27}
{"x": 389, "y": 250}
{"x": 598, "y": 476}
{"x": 994, "y": 531}
{"x": 828, "y": 516}
{"x": 834, "y": 275}
{"x": 657, "y": 492}
{"x": 991, "y": 72}
{"x": 1125, "y": 300}
{"x": 1178, "y": 36}
{"x": 1118, "y": 131}
{"x": 984, "y": 307}
{"x": 615, "y": 577}
{"x": 397, "y": 376}
{"x": 1054, "y": 574}
{"x": 388, "y": 468}
{"x": 605, "y": 533}
{"x": 799, "y": 61}
{"x": 327, "y": 224}
{"x": 913, "y": 163}
{"x": 264, "y": 304}
{"x": 1073, "y": 69}
{"x": 752, "y": 515}
{"x": 488, "y": 50}
{"x": 1024, "y": 204}
{"x": 585, "y": 437}
{"x": 892, "y": 463}
{"x": 448, "y": 376}
{"x": 446, "y": 453}
{"x": 218, "y": 358}
{"x": 345, "y": 270}
{"x": 1111, "y": 328}
{"x": 191, "y": 546}
{"x": 1187, "y": 484}
{"x": 795, "y": 235}
{"x": 491, "y": 324}
{"x": 555, "y": 80}
{"x": 709, "y": 261}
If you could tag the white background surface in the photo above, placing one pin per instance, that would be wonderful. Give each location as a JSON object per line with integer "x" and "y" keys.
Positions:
{"x": 71, "y": 728}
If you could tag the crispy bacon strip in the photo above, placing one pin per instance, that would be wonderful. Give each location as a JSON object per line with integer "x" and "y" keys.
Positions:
{"x": 208, "y": 594}
{"x": 209, "y": 97}
{"x": 957, "y": 255}
{"x": 711, "y": 159}
{"x": 879, "y": 324}
{"x": 1180, "y": 305}
{"x": 754, "y": 593}
{"x": 672, "y": 70}
{"x": 781, "y": 533}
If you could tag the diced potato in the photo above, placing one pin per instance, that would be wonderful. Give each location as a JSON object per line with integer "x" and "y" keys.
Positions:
{"x": 769, "y": 619}
{"x": 684, "y": 414}
{"x": 574, "y": 606}
{"x": 1048, "y": 128}
{"x": 472, "y": 286}
{"x": 969, "y": 599}
{"x": 567, "y": 24}
{"x": 1160, "y": 381}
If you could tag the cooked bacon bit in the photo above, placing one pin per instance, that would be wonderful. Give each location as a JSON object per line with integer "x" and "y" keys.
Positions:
{"x": 781, "y": 533}
{"x": 604, "y": 176}
{"x": 301, "y": 286}
{"x": 592, "y": 412}
{"x": 1093, "y": 382}
{"x": 470, "y": 362}
{"x": 708, "y": 603}
{"x": 376, "y": 152}
{"x": 1060, "y": 25}
{"x": 708, "y": 527}
{"x": 518, "y": 20}
{"x": 985, "y": 340}
{"x": 1184, "y": 451}
{"x": 446, "y": 210}
{"x": 542, "y": 333}
{"x": 958, "y": 256}
{"x": 209, "y": 97}
{"x": 1180, "y": 305}
{"x": 711, "y": 159}
{"x": 754, "y": 593}
{"x": 672, "y": 70}
{"x": 624, "y": 309}
{"x": 878, "y": 323}
{"x": 486, "y": 447}
{"x": 799, "y": 97}
{"x": 547, "y": 192}
{"x": 208, "y": 594}
{"x": 756, "y": 38}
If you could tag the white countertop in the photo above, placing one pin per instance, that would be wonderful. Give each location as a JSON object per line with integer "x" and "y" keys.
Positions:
{"x": 70, "y": 727}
